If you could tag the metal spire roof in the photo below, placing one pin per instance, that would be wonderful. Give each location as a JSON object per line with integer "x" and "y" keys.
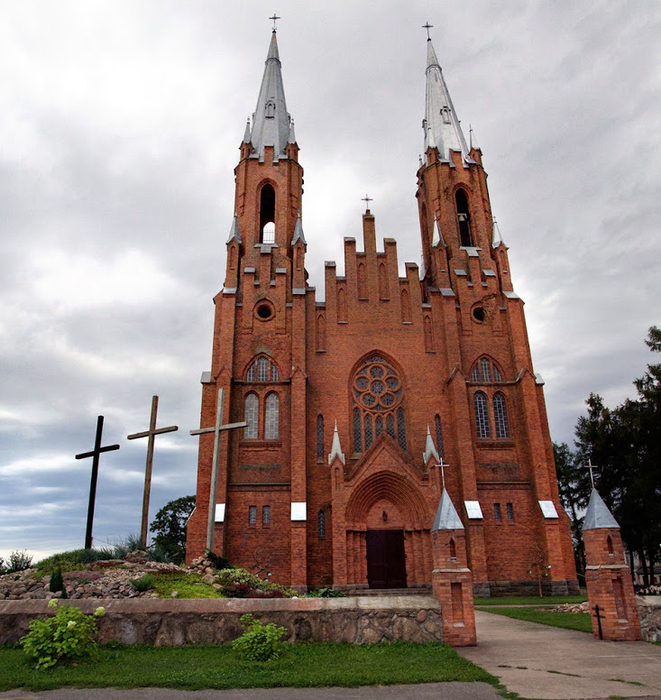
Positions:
{"x": 597, "y": 515}
{"x": 447, "y": 517}
{"x": 441, "y": 124}
{"x": 271, "y": 121}
{"x": 234, "y": 230}
{"x": 336, "y": 448}
{"x": 430, "y": 448}
{"x": 298, "y": 231}
{"x": 496, "y": 238}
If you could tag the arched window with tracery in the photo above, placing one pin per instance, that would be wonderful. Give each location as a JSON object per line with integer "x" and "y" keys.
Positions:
{"x": 500, "y": 416}
{"x": 485, "y": 371}
{"x": 481, "y": 415}
{"x": 263, "y": 370}
{"x": 251, "y": 416}
{"x": 272, "y": 417}
{"x": 378, "y": 407}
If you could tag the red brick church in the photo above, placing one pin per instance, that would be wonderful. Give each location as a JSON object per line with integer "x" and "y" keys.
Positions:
{"x": 352, "y": 403}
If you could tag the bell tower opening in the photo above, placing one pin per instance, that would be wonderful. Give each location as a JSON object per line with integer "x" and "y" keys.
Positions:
{"x": 463, "y": 217}
{"x": 267, "y": 215}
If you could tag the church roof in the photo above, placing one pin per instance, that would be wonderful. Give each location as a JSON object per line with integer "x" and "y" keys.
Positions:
{"x": 441, "y": 125}
{"x": 447, "y": 517}
{"x": 597, "y": 515}
{"x": 271, "y": 122}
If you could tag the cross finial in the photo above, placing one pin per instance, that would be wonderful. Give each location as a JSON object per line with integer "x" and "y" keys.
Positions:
{"x": 591, "y": 466}
{"x": 427, "y": 26}
{"x": 367, "y": 199}
{"x": 275, "y": 18}
{"x": 441, "y": 464}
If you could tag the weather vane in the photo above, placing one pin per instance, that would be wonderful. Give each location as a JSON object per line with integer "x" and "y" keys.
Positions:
{"x": 275, "y": 18}
{"x": 427, "y": 26}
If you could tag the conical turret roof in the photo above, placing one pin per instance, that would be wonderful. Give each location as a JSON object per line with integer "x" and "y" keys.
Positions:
{"x": 447, "y": 517}
{"x": 597, "y": 515}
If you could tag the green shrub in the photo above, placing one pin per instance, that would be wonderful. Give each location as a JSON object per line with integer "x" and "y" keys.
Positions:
{"x": 259, "y": 642}
{"x": 56, "y": 582}
{"x": 239, "y": 583}
{"x": 326, "y": 593}
{"x": 67, "y": 636}
{"x": 144, "y": 583}
{"x": 19, "y": 561}
{"x": 217, "y": 561}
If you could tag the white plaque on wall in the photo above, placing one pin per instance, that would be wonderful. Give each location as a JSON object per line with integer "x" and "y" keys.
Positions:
{"x": 548, "y": 509}
{"x": 220, "y": 513}
{"x": 299, "y": 511}
{"x": 473, "y": 510}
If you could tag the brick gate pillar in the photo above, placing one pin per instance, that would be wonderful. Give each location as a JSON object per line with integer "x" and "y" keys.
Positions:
{"x": 610, "y": 588}
{"x": 452, "y": 581}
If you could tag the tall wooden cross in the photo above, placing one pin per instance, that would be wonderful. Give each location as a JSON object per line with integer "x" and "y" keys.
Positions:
{"x": 213, "y": 486}
{"x": 591, "y": 466}
{"x": 442, "y": 466}
{"x": 151, "y": 434}
{"x": 95, "y": 473}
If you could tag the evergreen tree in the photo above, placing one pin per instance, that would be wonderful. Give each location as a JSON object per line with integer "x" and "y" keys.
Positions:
{"x": 169, "y": 526}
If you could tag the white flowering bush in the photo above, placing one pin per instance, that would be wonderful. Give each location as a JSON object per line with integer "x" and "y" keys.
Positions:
{"x": 68, "y": 636}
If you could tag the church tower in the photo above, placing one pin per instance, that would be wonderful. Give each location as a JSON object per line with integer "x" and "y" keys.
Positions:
{"x": 259, "y": 356}
{"x": 355, "y": 404}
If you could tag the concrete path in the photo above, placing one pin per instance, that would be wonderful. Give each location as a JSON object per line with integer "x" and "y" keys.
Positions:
{"x": 538, "y": 661}
{"x": 428, "y": 691}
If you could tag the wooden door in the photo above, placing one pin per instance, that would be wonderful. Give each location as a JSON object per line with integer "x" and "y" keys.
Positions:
{"x": 386, "y": 560}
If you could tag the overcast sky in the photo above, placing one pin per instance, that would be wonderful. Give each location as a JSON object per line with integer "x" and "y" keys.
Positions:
{"x": 120, "y": 123}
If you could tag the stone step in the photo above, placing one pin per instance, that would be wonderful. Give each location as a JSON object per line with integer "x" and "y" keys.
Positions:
{"x": 390, "y": 592}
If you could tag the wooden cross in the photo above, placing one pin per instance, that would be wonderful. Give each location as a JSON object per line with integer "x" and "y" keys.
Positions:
{"x": 599, "y": 616}
{"x": 213, "y": 487}
{"x": 151, "y": 434}
{"x": 367, "y": 201}
{"x": 442, "y": 466}
{"x": 275, "y": 18}
{"x": 95, "y": 473}
{"x": 591, "y": 466}
{"x": 427, "y": 26}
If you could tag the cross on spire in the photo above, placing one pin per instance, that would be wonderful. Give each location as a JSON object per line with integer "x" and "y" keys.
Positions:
{"x": 591, "y": 466}
{"x": 151, "y": 434}
{"x": 213, "y": 489}
{"x": 427, "y": 26}
{"x": 367, "y": 199}
{"x": 442, "y": 466}
{"x": 94, "y": 454}
{"x": 275, "y": 18}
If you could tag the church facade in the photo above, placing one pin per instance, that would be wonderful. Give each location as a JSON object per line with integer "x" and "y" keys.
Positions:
{"x": 358, "y": 409}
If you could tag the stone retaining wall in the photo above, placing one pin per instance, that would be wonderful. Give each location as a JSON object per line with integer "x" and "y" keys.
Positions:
{"x": 357, "y": 620}
{"x": 649, "y": 614}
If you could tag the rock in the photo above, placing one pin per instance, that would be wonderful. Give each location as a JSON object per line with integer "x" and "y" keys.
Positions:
{"x": 208, "y": 578}
{"x": 174, "y": 594}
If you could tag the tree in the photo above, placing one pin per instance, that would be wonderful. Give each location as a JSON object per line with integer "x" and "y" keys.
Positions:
{"x": 169, "y": 525}
{"x": 625, "y": 444}
{"x": 574, "y": 487}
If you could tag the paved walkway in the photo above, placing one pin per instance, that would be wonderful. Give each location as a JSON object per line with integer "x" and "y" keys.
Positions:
{"x": 538, "y": 661}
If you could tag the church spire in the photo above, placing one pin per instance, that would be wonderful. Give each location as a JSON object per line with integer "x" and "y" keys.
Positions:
{"x": 271, "y": 122}
{"x": 441, "y": 124}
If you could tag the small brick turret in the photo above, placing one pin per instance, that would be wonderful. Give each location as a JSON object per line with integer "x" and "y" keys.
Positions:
{"x": 452, "y": 581}
{"x": 610, "y": 589}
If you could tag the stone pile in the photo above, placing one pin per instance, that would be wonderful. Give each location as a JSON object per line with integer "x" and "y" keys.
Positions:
{"x": 102, "y": 579}
{"x": 583, "y": 607}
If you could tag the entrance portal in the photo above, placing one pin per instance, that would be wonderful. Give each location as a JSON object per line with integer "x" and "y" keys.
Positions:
{"x": 386, "y": 560}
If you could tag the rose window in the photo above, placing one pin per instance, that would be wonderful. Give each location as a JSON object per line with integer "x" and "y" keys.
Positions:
{"x": 377, "y": 395}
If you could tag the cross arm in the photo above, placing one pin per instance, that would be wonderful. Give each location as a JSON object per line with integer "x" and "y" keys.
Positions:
{"x": 109, "y": 448}
{"x": 147, "y": 433}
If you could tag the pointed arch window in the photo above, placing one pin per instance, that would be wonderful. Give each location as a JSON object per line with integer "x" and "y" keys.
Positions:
{"x": 321, "y": 524}
{"x": 500, "y": 416}
{"x": 272, "y": 417}
{"x": 439, "y": 435}
{"x": 383, "y": 282}
{"x": 485, "y": 371}
{"x": 251, "y": 417}
{"x": 377, "y": 394}
{"x": 263, "y": 369}
{"x": 481, "y": 415}
{"x": 463, "y": 218}
{"x": 320, "y": 438}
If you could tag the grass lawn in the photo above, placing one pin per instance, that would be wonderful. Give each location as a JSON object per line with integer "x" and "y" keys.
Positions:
{"x": 301, "y": 665}
{"x": 570, "y": 621}
{"x": 546, "y": 601}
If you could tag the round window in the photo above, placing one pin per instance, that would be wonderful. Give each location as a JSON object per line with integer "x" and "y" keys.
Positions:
{"x": 264, "y": 310}
{"x": 479, "y": 314}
